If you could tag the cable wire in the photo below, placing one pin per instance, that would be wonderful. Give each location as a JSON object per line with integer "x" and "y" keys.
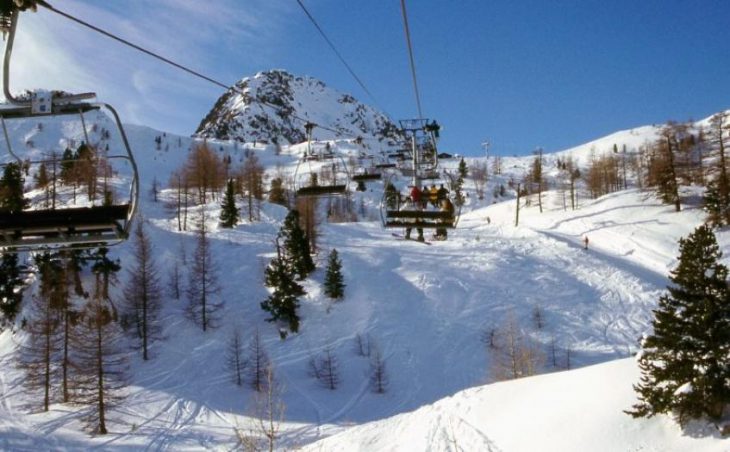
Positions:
{"x": 168, "y": 61}
{"x": 334, "y": 49}
{"x": 410, "y": 54}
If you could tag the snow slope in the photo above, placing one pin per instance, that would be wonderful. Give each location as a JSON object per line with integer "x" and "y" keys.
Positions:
{"x": 580, "y": 410}
{"x": 425, "y": 308}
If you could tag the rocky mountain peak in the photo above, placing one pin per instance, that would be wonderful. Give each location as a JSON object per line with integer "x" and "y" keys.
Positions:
{"x": 273, "y": 106}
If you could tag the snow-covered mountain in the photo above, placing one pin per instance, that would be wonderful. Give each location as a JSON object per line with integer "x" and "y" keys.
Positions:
{"x": 425, "y": 308}
{"x": 274, "y": 105}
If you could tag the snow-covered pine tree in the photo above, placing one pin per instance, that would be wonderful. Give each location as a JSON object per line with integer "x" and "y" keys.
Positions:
{"x": 685, "y": 363}
{"x": 282, "y": 304}
{"x": 334, "y": 286}
{"x": 296, "y": 246}
{"x": 229, "y": 212}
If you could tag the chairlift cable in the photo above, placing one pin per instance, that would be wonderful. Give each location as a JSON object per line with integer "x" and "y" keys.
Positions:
{"x": 334, "y": 49}
{"x": 410, "y": 55}
{"x": 170, "y": 62}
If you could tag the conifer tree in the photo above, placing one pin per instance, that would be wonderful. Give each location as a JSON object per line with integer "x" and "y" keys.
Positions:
{"x": 277, "y": 194}
{"x": 391, "y": 196}
{"x": 67, "y": 166}
{"x": 717, "y": 196}
{"x": 235, "y": 363}
{"x": 458, "y": 183}
{"x": 328, "y": 369}
{"x": 142, "y": 292}
{"x": 11, "y": 189}
{"x": 105, "y": 270}
{"x": 296, "y": 246}
{"x": 334, "y": 286}
{"x": 463, "y": 169}
{"x": 41, "y": 178}
{"x": 203, "y": 282}
{"x": 100, "y": 360}
{"x": 77, "y": 259}
{"x": 685, "y": 363}
{"x": 307, "y": 208}
{"x": 378, "y": 373}
{"x": 282, "y": 304}
{"x": 257, "y": 363}
{"x": 39, "y": 355}
{"x": 251, "y": 179}
{"x": 229, "y": 212}
{"x": 69, "y": 317}
{"x": 662, "y": 166}
{"x": 716, "y": 202}
{"x": 11, "y": 284}
{"x": 536, "y": 176}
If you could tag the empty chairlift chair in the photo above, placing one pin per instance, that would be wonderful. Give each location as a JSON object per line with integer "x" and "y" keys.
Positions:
{"x": 320, "y": 172}
{"x": 99, "y": 158}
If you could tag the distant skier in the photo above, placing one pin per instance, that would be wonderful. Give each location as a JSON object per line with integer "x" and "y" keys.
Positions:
{"x": 585, "y": 243}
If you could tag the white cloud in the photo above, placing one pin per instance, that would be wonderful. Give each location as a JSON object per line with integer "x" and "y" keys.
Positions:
{"x": 210, "y": 37}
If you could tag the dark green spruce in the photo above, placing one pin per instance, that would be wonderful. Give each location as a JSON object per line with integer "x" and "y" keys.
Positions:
{"x": 283, "y": 303}
{"x": 229, "y": 212}
{"x": 296, "y": 246}
{"x": 684, "y": 364}
{"x": 334, "y": 286}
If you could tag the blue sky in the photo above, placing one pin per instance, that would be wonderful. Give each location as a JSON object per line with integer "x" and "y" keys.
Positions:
{"x": 520, "y": 74}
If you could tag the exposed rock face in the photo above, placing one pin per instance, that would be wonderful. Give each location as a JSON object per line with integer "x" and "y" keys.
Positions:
{"x": 275, "y": 105}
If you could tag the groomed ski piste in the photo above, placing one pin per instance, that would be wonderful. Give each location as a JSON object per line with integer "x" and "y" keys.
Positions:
{"x": 425, "y": 308}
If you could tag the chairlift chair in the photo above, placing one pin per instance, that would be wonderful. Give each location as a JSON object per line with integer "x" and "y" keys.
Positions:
{"x": 394, "y": 213}
{"x": 423, "y": 166}
{"x": 322, "y": 176}
{"x": 366, "y": 171}
{"x": 67, "y": 224}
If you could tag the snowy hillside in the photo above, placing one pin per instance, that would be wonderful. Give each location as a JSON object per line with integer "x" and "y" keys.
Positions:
{"x": 275, "y": 104}
{"x": 425, "y": 308}
{"x": 580, "y": 410}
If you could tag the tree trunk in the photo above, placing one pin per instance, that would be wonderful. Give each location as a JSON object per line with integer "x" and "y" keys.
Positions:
{"x": 517, "y": 211}
{"x": 100, "y": 370}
